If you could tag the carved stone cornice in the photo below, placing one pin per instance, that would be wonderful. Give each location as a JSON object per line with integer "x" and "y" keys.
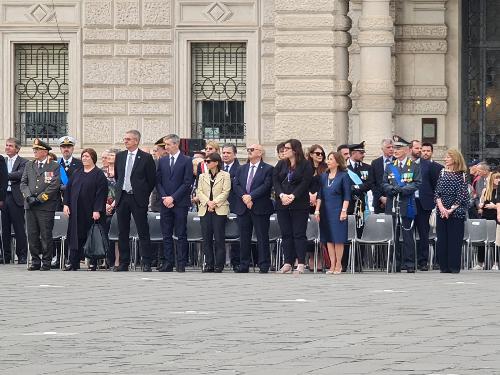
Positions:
{"x": 421, "y": 107}
{"x": 375, "y": 23}
{"x": 421, "y": 32}
{"x": 422, "y": 46}
{"x": 376, "y": 38}
{"x": 375, "y": 87}
{"x": 375, "y": 104}
{"x": 422, "y": 92}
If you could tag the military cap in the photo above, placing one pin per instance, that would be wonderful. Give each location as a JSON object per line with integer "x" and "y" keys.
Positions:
{"x": 357, "y": 147}
{"x": 160, "y": 142}
{"x": 399, "y": 142}
{"x": 67, "y": 141}
{"x": 41, "y": 145}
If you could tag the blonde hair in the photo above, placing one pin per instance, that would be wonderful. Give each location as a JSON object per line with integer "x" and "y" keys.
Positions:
{"x": 458, "y": 160}
{"x": 214, "y": 144}
{"x": 490, "y": 186}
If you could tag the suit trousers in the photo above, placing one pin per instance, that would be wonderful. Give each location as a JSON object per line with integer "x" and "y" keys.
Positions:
{"x": 213, "y": 227}
{"x": 423, "y": 228}
{"x": 124, "y": 210}
{"x": 450, "y": 234}
{"x": 174, "y": 219}
{"x": 293, "y": 226}
{"x": 40, "y": 224}
{"x": 405, "y": 252}
{"x": 246, "y": 223}
{"x": 13, "y": 215}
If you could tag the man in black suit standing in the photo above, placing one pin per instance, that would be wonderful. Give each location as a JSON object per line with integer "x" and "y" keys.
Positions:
{"x": 3, "y": 193}
{"x": 135, "y": 179}
{"x": 231, "y": 165}
{"x": 252, "y": 185}
{"x": 174, "y": 178}
{"x": 424, "y": 199}
{"x": 378, "y": 166}
{"x": 13, "y": 210}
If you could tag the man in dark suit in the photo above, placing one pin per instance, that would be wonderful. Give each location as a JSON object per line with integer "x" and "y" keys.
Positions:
{"x": 3, "y": 194}
{"x": 378, "y": 166}
{"x": 424, "y": 199}
{"x": 174, "y": 177}
{"x": 231, "y": 165}
{"x": 40, "y": 189}
{"x": 401, "y": 179}
{"x": 135, "y": 179}
{"x": 13, "y": 210}
{"x": 252, "y": 186}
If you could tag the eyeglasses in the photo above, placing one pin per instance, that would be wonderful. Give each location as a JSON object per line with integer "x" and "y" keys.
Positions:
{"x": 252, "y": 149}
{"x": 208, "y": 161}
{"x": 318, "y": 153}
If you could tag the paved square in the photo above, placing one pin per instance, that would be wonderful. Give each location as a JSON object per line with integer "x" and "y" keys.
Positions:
{"x": 139, "y": 323}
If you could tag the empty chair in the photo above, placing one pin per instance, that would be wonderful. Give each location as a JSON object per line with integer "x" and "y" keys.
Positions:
{"x": 351, "y": 240}
{"x": 379, "y": 231}
{"x": 60, "y": 232}
{"x": 312, "y": 234}
{"x": 194, "y": 235}
{"x": 478, "y": 235}
{"x": 133, "y": 236}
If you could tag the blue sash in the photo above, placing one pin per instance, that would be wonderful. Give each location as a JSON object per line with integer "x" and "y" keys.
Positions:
{"x": 357, "y": 181}
{"x": 410, "y": 210}
{"x": 63, "y": 175}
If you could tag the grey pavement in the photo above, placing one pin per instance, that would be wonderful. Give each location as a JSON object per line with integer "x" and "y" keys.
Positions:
{"x": 155, "y": 323}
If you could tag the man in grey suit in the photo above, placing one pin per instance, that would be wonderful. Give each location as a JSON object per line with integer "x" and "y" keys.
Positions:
{"x": 40, "y": 188}
{"x": 13, "y": 210}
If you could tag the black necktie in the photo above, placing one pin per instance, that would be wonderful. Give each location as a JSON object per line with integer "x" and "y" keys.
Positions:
{"x": 40, "y": 165}
{"x": 172, "y": 160}
{"x": 226, "y": 168}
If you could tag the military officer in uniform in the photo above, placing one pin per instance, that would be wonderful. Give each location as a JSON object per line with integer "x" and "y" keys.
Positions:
{"x": 361, "y": 176}
{"x": 68, "y": 161}
{"x": 40, "y": 188}
{"x": 401, "y": 179}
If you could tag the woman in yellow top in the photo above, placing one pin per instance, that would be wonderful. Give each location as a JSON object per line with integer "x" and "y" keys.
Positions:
{"x": 212, "y": 191}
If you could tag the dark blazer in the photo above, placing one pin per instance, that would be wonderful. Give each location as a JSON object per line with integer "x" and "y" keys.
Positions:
{"x": 412, "y": 184}
{"x": 298, "y": 185}
{"x": 175, "y": 182}
{"x": 42, "y": 184}
{"x": 232, "y": 196}
{"x": 142, "y": 178}
{"x": 4, "y": 179}
{"x": 73, "y": 166}
{"x": 15, "y": 179}
{"x": 260, "y": 189}
{"x": 429, "y": 171}
{"x": 378, "y": 182}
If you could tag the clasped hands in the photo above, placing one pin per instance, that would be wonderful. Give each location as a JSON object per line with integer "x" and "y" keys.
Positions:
{"x": 168, "y": 202}
{"x": 287, "y": 199}
{"x": 211, "y": 206}
{"x": 444, "y": 212}
{"x": 247, "y": 199}
{"x": 32, "y": 201}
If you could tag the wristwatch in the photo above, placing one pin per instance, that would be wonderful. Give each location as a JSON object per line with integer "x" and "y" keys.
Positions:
{"x": 344, "y": 210}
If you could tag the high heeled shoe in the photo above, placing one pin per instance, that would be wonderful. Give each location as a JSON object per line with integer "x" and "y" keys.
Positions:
{"x": 287, "y": 268}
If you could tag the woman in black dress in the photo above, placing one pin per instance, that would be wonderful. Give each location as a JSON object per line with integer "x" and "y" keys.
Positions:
{"x": 488, "y": 211}
{"x": 84, "y": 203}
{"x": 291, "y": 179}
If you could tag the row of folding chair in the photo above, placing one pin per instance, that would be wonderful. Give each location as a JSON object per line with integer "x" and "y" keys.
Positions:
{"x": 479, "y": 232}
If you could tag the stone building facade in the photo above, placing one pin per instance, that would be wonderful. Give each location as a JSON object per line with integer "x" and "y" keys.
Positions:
{"x": 323, "y": 71}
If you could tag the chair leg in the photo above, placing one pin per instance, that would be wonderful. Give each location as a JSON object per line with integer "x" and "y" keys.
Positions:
{"x": 63, "y": 254}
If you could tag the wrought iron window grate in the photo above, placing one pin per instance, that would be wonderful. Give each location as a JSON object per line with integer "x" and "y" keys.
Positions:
{"x": 219, "y": 91}
{"x": 41, "y": 92}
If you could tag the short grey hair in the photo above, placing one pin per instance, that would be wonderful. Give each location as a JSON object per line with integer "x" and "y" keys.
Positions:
{"x": 484, "y": 166}
{"x": 386, "y": 141}
{"x": 173, "y": 137}
{"x": 136, "y": 133}
{"x": 17, "y": 144}
{"x": 232, "y": 146}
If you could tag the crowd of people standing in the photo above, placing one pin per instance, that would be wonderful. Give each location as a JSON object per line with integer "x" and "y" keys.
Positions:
{"x": 303, "y": 185}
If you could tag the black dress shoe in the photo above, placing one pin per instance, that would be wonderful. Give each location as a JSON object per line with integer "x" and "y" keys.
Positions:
{"x": 45, "y": 267}
{"x": 166, "y": 268}
{"x": 263, "y": 271}
{"x": 423, "y": 268}
{"x": 410, "y": 270}
{"x": 218, "y": 269}
{"x": 34, "y": 267}
{"x": 54, "y": 265}
{"x": 146, "y": 268}
{"x": 208, "y": 269}
{"x": 21, "y": 261}
{"x": 181, "y": 268}
{"x": 241, "y": 270}
{"x": 121, "y": 268}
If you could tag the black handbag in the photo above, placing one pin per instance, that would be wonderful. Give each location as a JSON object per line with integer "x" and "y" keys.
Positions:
{"x": 96, "y": 245}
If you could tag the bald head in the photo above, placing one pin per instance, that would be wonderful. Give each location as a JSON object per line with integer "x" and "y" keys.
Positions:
{"x": 255, "y": 153}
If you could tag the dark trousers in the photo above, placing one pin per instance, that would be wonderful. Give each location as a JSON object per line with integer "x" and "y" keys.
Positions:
{"x": 405, "y": 252}
{"x": 125, "y": 208}
{"x": 450, "y": 234}
{"x": 13, "y": 215}
{"x": 246, "y": 223}
{"x": 40, "y": 224}
{"x": 213, "y": 227}
{"x": 293, "y": 226}
{"x": 423, "y": 228}
{"x": 174, "y": 219}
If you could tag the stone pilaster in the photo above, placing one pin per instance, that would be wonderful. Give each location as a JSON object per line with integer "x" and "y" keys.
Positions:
{"x": 375, "y": 87}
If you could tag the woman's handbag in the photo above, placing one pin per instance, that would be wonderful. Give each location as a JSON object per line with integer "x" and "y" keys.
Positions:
{"x": 96, "y": 245}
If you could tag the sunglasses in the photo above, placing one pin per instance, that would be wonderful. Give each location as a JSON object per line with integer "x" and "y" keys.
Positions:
{"x": 251, "y": 149}
{"x": 318, "y": 153}
{"x": 209, "y": 161}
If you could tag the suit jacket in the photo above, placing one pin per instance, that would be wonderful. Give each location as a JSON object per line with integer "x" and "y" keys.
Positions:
{"x": 232, "y": 196}
{"x": 142, "y": 178}
{"x": 429, "y": 172}
{"x": 365, "y": 173}
{"x": 220, "y": 192}
{"x": 73, "y": 166}
{"x": 378, "y": 181}
{"x": 15, "y": 179}
{"x": 155, "y": 199}
{"x": 4, "y": 179}
{"x": 297, "y": 184}
{"x": 411, "y": 171}
{"x": 175, "y": 182}
{"x": 260, "y": 189}
{"x": 42, "y": 184}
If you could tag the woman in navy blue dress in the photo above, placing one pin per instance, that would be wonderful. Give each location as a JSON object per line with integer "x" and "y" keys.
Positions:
{"x": 331, "y": 205}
